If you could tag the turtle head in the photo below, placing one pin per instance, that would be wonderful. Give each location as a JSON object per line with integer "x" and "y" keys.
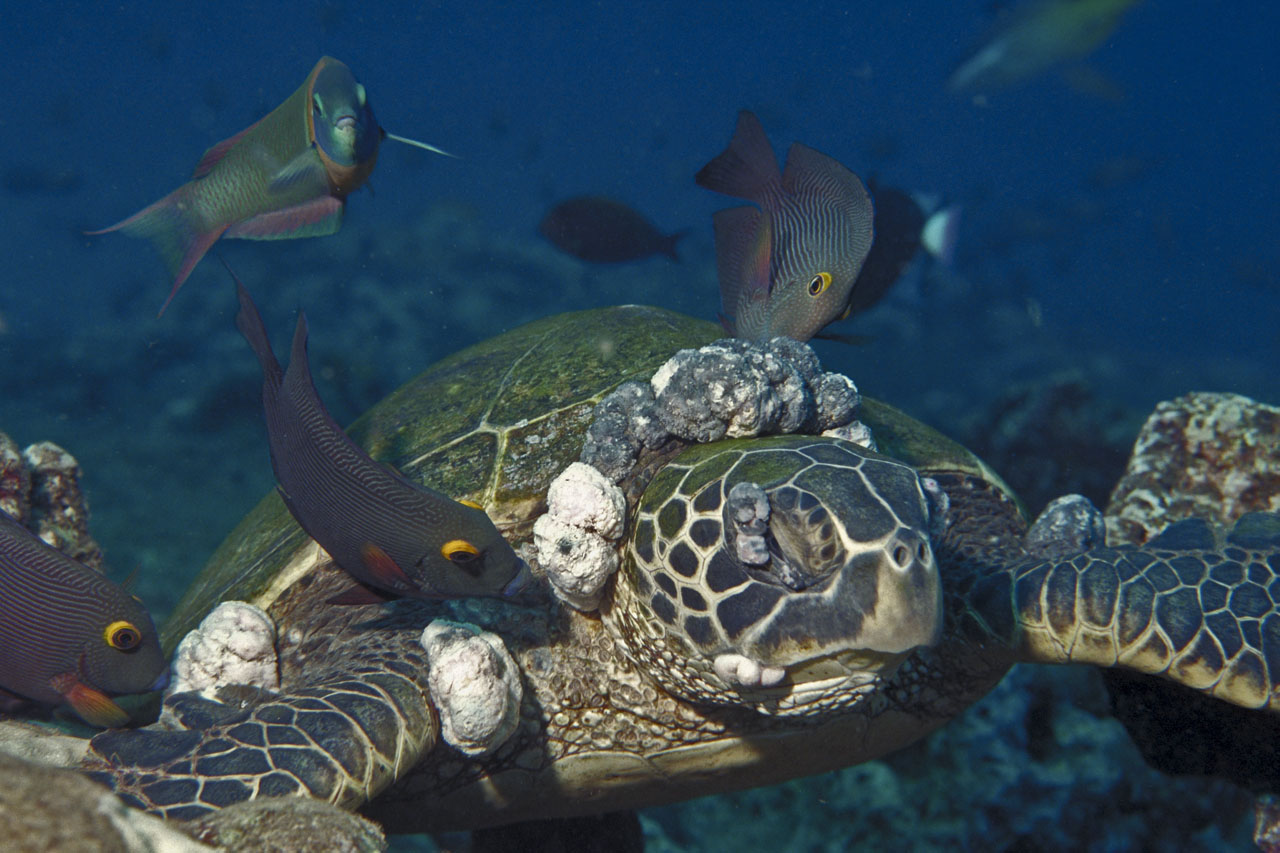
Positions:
{"x": 791, "y": 573}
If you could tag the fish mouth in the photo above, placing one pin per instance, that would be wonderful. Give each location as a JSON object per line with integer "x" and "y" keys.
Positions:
{"x": 161, "y": 682}
{"x": 517, "y": 584}
{"x": 346, "y": 121}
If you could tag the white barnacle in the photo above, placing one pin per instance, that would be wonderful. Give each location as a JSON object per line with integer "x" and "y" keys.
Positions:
{"x": 475, "y": 686}
{"x": 856, "y": 432}
{"x": 578, "y": 562}
{"x": 741, "y": 671}
{"x": 234, "y": 645}
{"x": 585, "y": 498}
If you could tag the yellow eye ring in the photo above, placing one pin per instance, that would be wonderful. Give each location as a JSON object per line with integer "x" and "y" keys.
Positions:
{"x": 122, "y": 635}
{"x": 820, "y": 283}
{"x": 459, "y": 551}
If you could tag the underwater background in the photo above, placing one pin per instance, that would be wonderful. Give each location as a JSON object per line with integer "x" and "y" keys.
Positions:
{"x": 1118, "y": 246}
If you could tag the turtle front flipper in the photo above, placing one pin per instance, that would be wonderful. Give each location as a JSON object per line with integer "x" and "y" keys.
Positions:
{"x": 1189, "y": 605}
{"x": 342, "y": 737}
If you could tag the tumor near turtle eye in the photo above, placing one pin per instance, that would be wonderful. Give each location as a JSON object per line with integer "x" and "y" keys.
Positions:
{"x": 122, "y": 635}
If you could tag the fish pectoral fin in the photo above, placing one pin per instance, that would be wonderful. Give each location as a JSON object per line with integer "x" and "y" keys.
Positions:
{"x": 416, "y": 144}
{"x": 93, "y": 706}
{"x": 316, "y": 218}
{"x": 384, "y": 570}
{"x": 305, "y": 170}
{"x": 358, "y": 594}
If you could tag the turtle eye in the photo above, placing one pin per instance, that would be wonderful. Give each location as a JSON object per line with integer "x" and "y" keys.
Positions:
{"x": 820, "y": 283}
{"x": 459, "y": 551}
{"x": 122, "y": 635}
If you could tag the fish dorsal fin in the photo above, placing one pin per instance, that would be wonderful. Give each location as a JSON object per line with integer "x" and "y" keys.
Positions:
{"x": 747, "y": 168}
{"x": 470, "y": 503}
{"x": 358, "y": 594}
{"x": 416, "y": 144}
{"x": 384, "y": 570}
{"x": 812, "y": 172}
{"x": 305, "y": 170}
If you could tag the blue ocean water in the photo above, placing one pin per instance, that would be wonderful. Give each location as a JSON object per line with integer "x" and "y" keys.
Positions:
{"x": 1123, "y": 228}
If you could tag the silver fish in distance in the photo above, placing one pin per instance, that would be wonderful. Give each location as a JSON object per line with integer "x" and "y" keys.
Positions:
{"x": 788, "y": 266}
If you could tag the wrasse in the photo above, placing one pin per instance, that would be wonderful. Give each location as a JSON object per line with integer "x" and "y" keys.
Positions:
{"x": 287, "y": 175}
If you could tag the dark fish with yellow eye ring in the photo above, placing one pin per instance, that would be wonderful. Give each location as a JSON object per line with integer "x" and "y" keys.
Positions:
{"x": 68, "y": 634}
{"x": 787, "y": 266}
{"x": 287, "y": 175}
{"x": 395, "y": 537}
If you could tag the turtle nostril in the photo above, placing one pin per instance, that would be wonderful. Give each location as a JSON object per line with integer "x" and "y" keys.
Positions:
{"x": 901, "y": 555}
{"x": 922, "y": 553}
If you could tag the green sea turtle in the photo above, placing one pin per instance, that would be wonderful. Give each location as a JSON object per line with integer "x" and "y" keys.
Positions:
{"x": 783, "y": 606}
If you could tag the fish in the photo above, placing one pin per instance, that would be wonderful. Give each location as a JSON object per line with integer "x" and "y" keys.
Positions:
{"x": 1035, "y": 37}
{"x": 394, "y": 537}
{"x": 69, "y": 635}
{"x": 604, "y": 231}
{"x": 286, "y": 176}
{"x": 787, "y": 266}
{"x": 904, "y": 224}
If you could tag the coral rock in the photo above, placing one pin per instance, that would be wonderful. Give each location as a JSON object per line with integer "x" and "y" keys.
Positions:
{"x": 1213, "y": 456}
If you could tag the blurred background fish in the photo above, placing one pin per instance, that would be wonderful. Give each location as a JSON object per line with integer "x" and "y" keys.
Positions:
{"x": 1034, "y": 37}
{"x": 287, "y": 175}
{"x": 904, "y": 223}
{"x": 786, "y": 267}
{"x": 603, "y": 231}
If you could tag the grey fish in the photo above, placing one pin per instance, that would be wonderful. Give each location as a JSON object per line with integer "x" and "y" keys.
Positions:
{"x": 68, "y": 634}
{"x": 786, "y": 268}
{"x": 395, "y": 536}
{"x": 604, "y": 231}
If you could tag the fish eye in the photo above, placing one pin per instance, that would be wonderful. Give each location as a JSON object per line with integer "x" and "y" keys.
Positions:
{"x": 360, "y": 96}
{"x": 820, "y": 282}
{"x": 316, "y": 102}
{"x": 459, "y": 551}
{"x": 122, "y": 635}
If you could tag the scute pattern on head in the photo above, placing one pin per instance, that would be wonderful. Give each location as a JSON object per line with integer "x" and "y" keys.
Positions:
{"x": 850, "y": 586}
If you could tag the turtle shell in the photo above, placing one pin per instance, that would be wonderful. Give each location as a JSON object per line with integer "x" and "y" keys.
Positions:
{"x": 493, "y": 423}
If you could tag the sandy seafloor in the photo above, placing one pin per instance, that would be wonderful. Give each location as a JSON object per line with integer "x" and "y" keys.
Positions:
{"x": 1128, "y": 240}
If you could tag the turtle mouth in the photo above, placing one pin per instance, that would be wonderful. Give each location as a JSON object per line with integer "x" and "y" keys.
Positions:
{"x": 828, "y": 684}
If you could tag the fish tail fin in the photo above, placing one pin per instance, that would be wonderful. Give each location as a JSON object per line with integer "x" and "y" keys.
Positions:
{"x": 939, "y": 234}
{"x": 747, "y": 168}
{"x": 249, "y": 322}
{"x": 176, "y": 231}
{"x": 668, "y": 243}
